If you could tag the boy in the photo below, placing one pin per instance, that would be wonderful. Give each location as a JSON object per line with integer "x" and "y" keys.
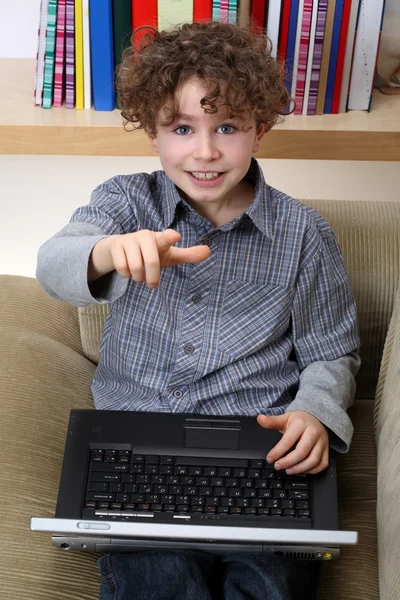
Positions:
{"x": 227, "y": 296}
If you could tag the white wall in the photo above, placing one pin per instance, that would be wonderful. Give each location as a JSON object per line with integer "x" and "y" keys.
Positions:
{"x": 39, "y": 193}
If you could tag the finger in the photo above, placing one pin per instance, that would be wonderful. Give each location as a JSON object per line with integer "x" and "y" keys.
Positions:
{"x": 151, "y": 260}
{"x": 303, "y": 448}
{"x": 193, "y": 254}
{"x": 312, "y": 460}
{"x": 323, "y": 464}
{"x": 135, "y": 260}
{"x": 273, "y": 422}
{"x": 120, "y": 260}
{"x": 286, "y": 443}
{"x": 165, "y": 239}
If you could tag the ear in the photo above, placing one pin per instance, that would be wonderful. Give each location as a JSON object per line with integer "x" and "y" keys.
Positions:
{"x": 261, "y": 131}
{"x": 153, "y": 143}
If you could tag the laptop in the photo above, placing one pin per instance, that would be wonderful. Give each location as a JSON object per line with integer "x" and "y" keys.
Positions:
{"x": 132, "y": 481}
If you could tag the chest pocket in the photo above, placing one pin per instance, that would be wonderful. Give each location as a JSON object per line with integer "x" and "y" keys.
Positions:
{"x": 253, "y": 315}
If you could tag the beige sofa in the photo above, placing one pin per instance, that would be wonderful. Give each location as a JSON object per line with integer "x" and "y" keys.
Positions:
{"x": 48, "y": 352}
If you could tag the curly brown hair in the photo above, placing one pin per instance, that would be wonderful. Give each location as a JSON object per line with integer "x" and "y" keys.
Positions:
{"x": 236, "y": 65}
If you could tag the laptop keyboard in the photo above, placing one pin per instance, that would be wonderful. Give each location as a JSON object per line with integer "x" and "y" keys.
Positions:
{"x": 122, "y": 485}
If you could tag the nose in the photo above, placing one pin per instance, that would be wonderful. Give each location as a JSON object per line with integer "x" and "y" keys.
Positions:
{"x": 205, "y": 148}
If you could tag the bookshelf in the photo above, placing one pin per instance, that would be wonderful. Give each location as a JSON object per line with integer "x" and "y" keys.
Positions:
{"x": 29, "y": 129}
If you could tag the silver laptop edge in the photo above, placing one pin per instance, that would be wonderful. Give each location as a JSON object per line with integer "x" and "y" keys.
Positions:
{"x": 81, "y": 527}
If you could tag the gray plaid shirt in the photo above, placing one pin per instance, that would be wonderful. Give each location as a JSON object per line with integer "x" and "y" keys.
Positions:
{"x": 229, "y": 335}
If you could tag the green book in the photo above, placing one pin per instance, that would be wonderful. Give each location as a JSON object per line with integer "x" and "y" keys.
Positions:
{"x": 49, "y": 62}
{"x": 122, "y": 29}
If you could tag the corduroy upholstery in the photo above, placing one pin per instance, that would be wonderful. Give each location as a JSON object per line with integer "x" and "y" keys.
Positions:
{"x": 48, "y": 352}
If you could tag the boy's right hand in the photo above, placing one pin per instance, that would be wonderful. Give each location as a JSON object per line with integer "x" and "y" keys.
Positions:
{"x": 141, "y": 255}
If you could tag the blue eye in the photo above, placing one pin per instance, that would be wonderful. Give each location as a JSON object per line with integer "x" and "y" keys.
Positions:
{"x": 227, "y": 127}
{"x": 181, "y": 127}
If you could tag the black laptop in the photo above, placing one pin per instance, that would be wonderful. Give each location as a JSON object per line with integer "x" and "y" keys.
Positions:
{"x": 133, "y": 480}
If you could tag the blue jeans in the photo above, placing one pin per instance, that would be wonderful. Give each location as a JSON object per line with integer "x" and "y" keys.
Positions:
{"x": 195, "y": 575}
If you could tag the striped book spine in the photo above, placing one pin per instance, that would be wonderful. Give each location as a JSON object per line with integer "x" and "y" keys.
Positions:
{"x": 310, "y": 58}
{"x": 70, "y": 54}
{"x": 316, "y": 66}
{"x": 233, "y": 11}
{"x": 79, "y": 83}
{"x": 40, "y": 56}
{"x": 337, "y": 88}
{"x": 224, "y": 11}
{"x": 297, "y": 47}
{"x": 60, "y": 52}
{"x": 87, "y": 77}
{"x": 216, "y": 9}
{"x": 50, "y": 55}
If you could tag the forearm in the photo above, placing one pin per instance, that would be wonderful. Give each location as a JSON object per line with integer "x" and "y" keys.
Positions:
{"x": 100, "y": 260}
{"x": 326, "y": 391}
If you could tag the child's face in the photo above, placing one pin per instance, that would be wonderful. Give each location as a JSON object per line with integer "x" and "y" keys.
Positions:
{"x": 202, "y": 143}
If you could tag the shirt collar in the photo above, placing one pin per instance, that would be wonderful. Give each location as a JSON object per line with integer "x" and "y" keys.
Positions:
{"x": 260, "y": 210}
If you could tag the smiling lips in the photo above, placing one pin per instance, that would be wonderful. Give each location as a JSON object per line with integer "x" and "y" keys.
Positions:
{"x": 208, "y": 175}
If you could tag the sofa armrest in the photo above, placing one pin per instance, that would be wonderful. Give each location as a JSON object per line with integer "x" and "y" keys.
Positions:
{"x": 43, "y": 375}
{"x": 387, "y": 435}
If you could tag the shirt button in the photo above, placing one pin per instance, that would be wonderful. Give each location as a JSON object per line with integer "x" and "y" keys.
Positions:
{"x": 178, "y": 393}
{"x": 207, "y": 242}
{"x": 189, "y": 348}
{"x": 197, "y": 298}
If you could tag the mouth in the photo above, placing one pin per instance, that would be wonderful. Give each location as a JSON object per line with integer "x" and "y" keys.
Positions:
{"x": 205, "y": 178}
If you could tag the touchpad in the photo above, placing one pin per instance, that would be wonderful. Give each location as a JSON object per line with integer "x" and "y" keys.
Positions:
{"x": 211, "y": 438}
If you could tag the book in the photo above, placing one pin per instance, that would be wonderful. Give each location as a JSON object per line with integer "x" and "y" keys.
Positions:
{"x": 122, "y": 30}
{"x": 303, "y": 55}
{"x": 337, "y": 20}
{"x": 144, "y": 14}
{"x": 326, "y": 50}
{"x": 79, "y": 83}
{"x": 316, "y": 64}
{"x": 283, "y": 31}
{"x": 244, "y": 13}
{"x": 87, "y": 76}
{"x": 297, "y": 48}
{"x": 369, "y": 27}
{"x": 233, "y": 12}
{"x": 258, "y": 9}
{"x": 216, "y": 10}
{"x": 291, "y": 43}
{"x": 224, "y": 11}
{"x": 40, "y": 55}
{"x": 49, "y": 59}
{"x": 310, "y": 59}
{"x": 102, "y": 54}
{"x": 70, "y": 54}
{"x": 202, "y": 10}
{"x": 60, "y": 55}
{"x": 340, "y": 57}
{"x": 174, "y": 12}
{"x": 351, "y": 35}
{"x": 272, "y": 24}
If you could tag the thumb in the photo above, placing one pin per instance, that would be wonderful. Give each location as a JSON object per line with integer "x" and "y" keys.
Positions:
{"x": 273, "y": 422}
{"x": 167, "y": 238}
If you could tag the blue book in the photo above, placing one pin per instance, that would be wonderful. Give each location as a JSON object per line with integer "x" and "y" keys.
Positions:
{"x": 102, "y": 54}
{"x": 330, "y": 84}
{"x": 291, "y": 43}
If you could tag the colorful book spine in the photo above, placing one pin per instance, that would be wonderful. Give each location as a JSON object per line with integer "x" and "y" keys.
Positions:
{"x": 216, "y": 10}
{"x": 273, "y": 22}
{"x": 224, "y": 11}
{"x": 144, "y": 14}
{"x": 316, "y": 61}
{"x": 333, "y": 57}
{"x": 50, "y": 55}
{"x": 173, "y": 12}
{"x": 341, "y": 55}
{"x": 41, "y": 51}
{"x": 60, "y": 55}
{"x": 310, "y": 58}
{"x": 284, "y": 31}
{"x": 303, "y": 56}
{"x": 102, "y": 54}
{"x": 297, "y": 48}
{"x": 289, "y": 64}
{"x": 202, "y": 10}
{"x": 348, "y": 55}
{"x": 326, "y": 50}
{"x": 70, "y": 54}
{"x": 258, "y": 16}
{"x": 79, "y": 82}
{"x": 87, "y": 76}
{"x": 233, "y": 11}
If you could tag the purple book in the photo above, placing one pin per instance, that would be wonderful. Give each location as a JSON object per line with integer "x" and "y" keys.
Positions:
{"x": 317, "y": 56}
{"x": 70, "y": 54}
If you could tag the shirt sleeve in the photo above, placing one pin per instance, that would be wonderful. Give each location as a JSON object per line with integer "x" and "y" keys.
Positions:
{"x": 326, "y": 391}
{"x": 324, "y": 319}
{"x": 63, "y": 260}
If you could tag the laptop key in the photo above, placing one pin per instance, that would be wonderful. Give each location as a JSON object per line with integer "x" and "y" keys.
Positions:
{"x": 109, "y": 467}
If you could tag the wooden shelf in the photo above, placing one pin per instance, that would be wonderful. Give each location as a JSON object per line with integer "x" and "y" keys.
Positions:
{"x": 29, "y": 129}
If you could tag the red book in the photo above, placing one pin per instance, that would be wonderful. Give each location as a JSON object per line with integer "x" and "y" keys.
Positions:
{"x": 284, "y": 30}
{"x": 258, "y": 15}
{"x": 143, "y": 13}
{"x": 202, "y": 10}
{"x": 341, "y": 55}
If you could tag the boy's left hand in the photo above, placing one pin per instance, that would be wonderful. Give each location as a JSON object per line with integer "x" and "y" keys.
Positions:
{"x": 311, "y": 454}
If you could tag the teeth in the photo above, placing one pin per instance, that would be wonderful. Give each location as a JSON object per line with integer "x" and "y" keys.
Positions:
{"x": 205, "y": 175}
